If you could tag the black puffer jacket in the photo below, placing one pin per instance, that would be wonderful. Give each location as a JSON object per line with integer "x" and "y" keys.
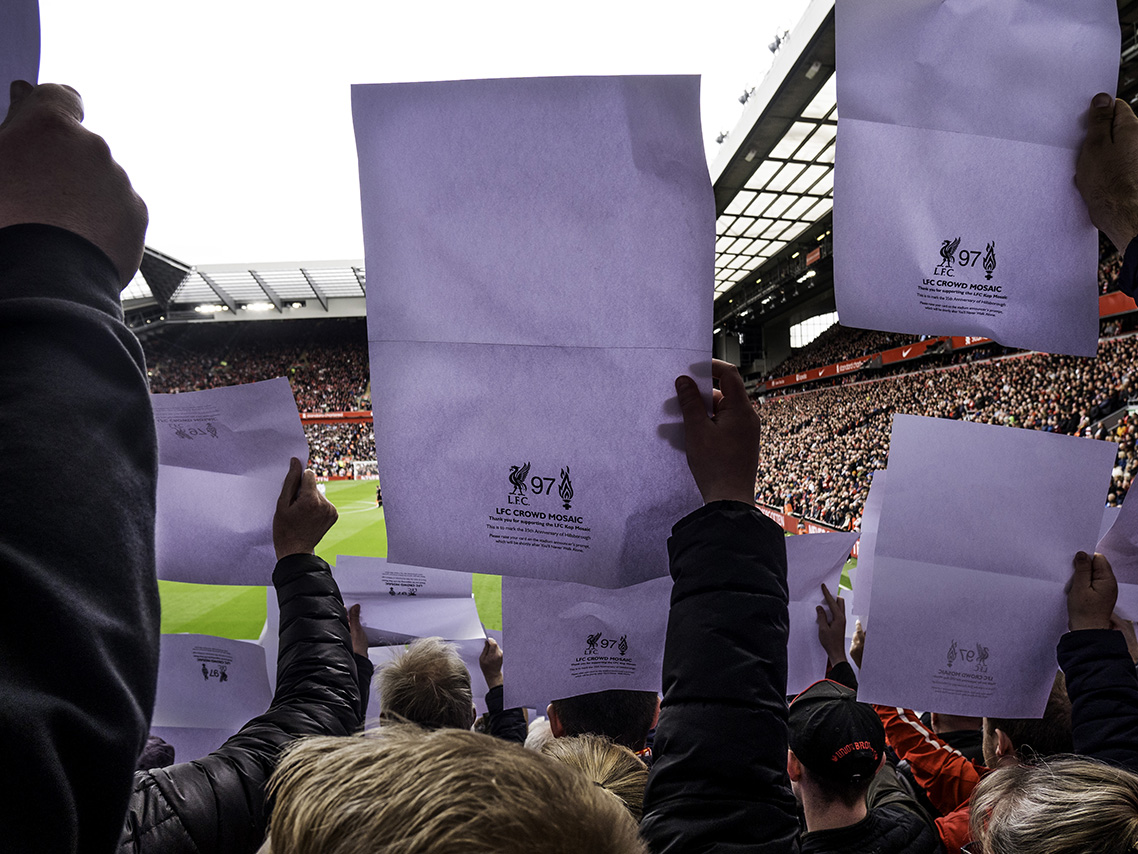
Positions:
{"x": 886, "y": 830}
{"x": 216, "y": 805}
{"x": 1103, "y": 688}
{"x": 719, "y": 781}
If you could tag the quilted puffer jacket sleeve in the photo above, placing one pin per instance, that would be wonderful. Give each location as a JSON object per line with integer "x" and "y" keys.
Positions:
{"x": 719, "y": 781}
{"x": 217, "y": 804}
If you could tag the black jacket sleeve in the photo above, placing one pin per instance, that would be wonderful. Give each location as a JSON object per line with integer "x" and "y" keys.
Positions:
{"x": 506, "y": 724}
{"x": 1103, "y": 688}
{"x": 718, "y": 781}
{"x": 79, "y": 463}
{"x": 364, "y": 671}
{"x": 216, "y": 805}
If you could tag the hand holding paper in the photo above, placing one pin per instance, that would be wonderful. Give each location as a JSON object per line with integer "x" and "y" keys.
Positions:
{"x": 832, "y": 627}
{"x": 1091, "y": 594}
{"x": 722, "y": 450}
{"x": 490, "y": 662}
{"x": 303, "y": 515}
{"x": 1107, "y": 170}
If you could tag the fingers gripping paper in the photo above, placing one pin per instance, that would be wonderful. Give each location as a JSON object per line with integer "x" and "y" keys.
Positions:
{"x": 19, "y": 45}
{"x": 566, "y": 639}
{"x": 955, "y": 212}
{"x": 979, "y": 525}
{"x": 222, "y": 457}
{"x": 519, "y": 391}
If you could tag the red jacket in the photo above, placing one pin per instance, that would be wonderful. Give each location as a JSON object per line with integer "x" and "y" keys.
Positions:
{"x": 947, "y": 777}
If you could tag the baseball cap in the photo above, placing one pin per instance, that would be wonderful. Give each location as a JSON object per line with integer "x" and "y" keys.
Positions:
{"x": 834, "y": 735}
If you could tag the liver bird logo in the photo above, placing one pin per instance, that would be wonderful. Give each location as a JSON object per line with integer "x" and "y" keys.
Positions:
{"x": 948, "y": 250}
{"x": 591, "y": 640}
{"x": 518, "y": 479}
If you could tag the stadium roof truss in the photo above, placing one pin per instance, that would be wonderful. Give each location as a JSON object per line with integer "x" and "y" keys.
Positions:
{"x": 774, "y": 175}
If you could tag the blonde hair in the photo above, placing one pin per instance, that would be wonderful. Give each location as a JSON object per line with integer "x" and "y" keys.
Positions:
{"x": 427, "y": 685}
{"x": 612, "y": 767}
{"x": 404, "y": 790}
{"x": 1067, "y": 805}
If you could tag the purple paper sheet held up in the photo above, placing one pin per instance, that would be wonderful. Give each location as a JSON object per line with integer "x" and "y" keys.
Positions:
{"x": 400, "y": 603}
{"x": 978, "y": 530}
{"x": 811, "y": 560}
{"x": 1120, "y": 546}
{"x": 19, "y": 45}
{"x": 222, "y": 458}
{"x": 863, "y": 575}
{"x": 208, "y": 688}
{"x": 954, "y": 208}
{"x": 564, "y": 639}
{"x": 523, "y": 402}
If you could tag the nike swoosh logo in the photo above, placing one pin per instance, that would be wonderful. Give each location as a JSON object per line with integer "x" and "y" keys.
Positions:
{"x": 905, "y": 352}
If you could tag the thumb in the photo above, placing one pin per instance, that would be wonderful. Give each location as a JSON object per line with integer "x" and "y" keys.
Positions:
{"x": 822, "y": 619}
{"x": 16, "y": 93}
{"x": 1100, "y": 120}
{"x": 291, "y": 484}
{"x": 1083, "y": 571}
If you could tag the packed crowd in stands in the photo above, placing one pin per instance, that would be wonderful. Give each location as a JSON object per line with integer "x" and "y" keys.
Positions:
{"x": 820, "y": 447}
{"x": 839, "y": 344}
{"x": 332, "y": 448}
{"x": 325, "y": 361}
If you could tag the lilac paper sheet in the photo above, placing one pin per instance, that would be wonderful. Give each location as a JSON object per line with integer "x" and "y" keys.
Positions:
{"x": 978, "y": 529}
{"x": 222, "y": 457}
{"x": 811, "y": 560}
{"x": 954, "y": 208}
{"x": 400, "y": 603}
{"x": 863, "y": 575}
{"x": 19, "y": 45}
{"x": 523, "y": 404}
{"x": 208, "y": 688}
{"x": 565, "y": 639}
{"x": 1120, "y": 545}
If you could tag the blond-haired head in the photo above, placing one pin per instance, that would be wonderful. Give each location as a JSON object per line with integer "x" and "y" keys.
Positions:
{"x": 404, "y": 790}
{"x": 1068, "y": 805}
{"x": 427, "y": 685}
{"x": 612, "y": 767}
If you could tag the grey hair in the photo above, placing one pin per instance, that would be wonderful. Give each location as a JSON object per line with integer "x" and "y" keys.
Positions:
{"x": 427, "y": 685}
{"x": 1066, "y": 805}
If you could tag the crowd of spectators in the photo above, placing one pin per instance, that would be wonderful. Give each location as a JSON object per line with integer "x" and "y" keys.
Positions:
{"x": 839, "y": 344}
{"x": 820, "y": 447}
{"x": 332, "y": 448}
{"x": 1109, "y": 265}
{"x": 325, "y": 362}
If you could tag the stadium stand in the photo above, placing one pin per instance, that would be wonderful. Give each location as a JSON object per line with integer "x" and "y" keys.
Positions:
{"x": 820, "y": 447}
{"x": 324, "y": 360}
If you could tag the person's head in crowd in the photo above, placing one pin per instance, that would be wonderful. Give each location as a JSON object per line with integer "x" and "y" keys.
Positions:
{"x": 1067, "y": 805}
{"x": 836, "y": 747}
{"x": 538, "y": 734}
{"x": 625, "y": 717}
{"x": 1014, "y": 740}
{"x": 405, "y": 790}
{"x": 613, "y": 768}
{"x": 427, "y": 685}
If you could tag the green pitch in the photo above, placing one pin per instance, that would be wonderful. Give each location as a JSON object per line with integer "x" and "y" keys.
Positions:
{"x": 239, "y": 612}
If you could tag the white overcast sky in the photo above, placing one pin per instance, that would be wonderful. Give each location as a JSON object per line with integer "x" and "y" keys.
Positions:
{"x": 233, "y": 117}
